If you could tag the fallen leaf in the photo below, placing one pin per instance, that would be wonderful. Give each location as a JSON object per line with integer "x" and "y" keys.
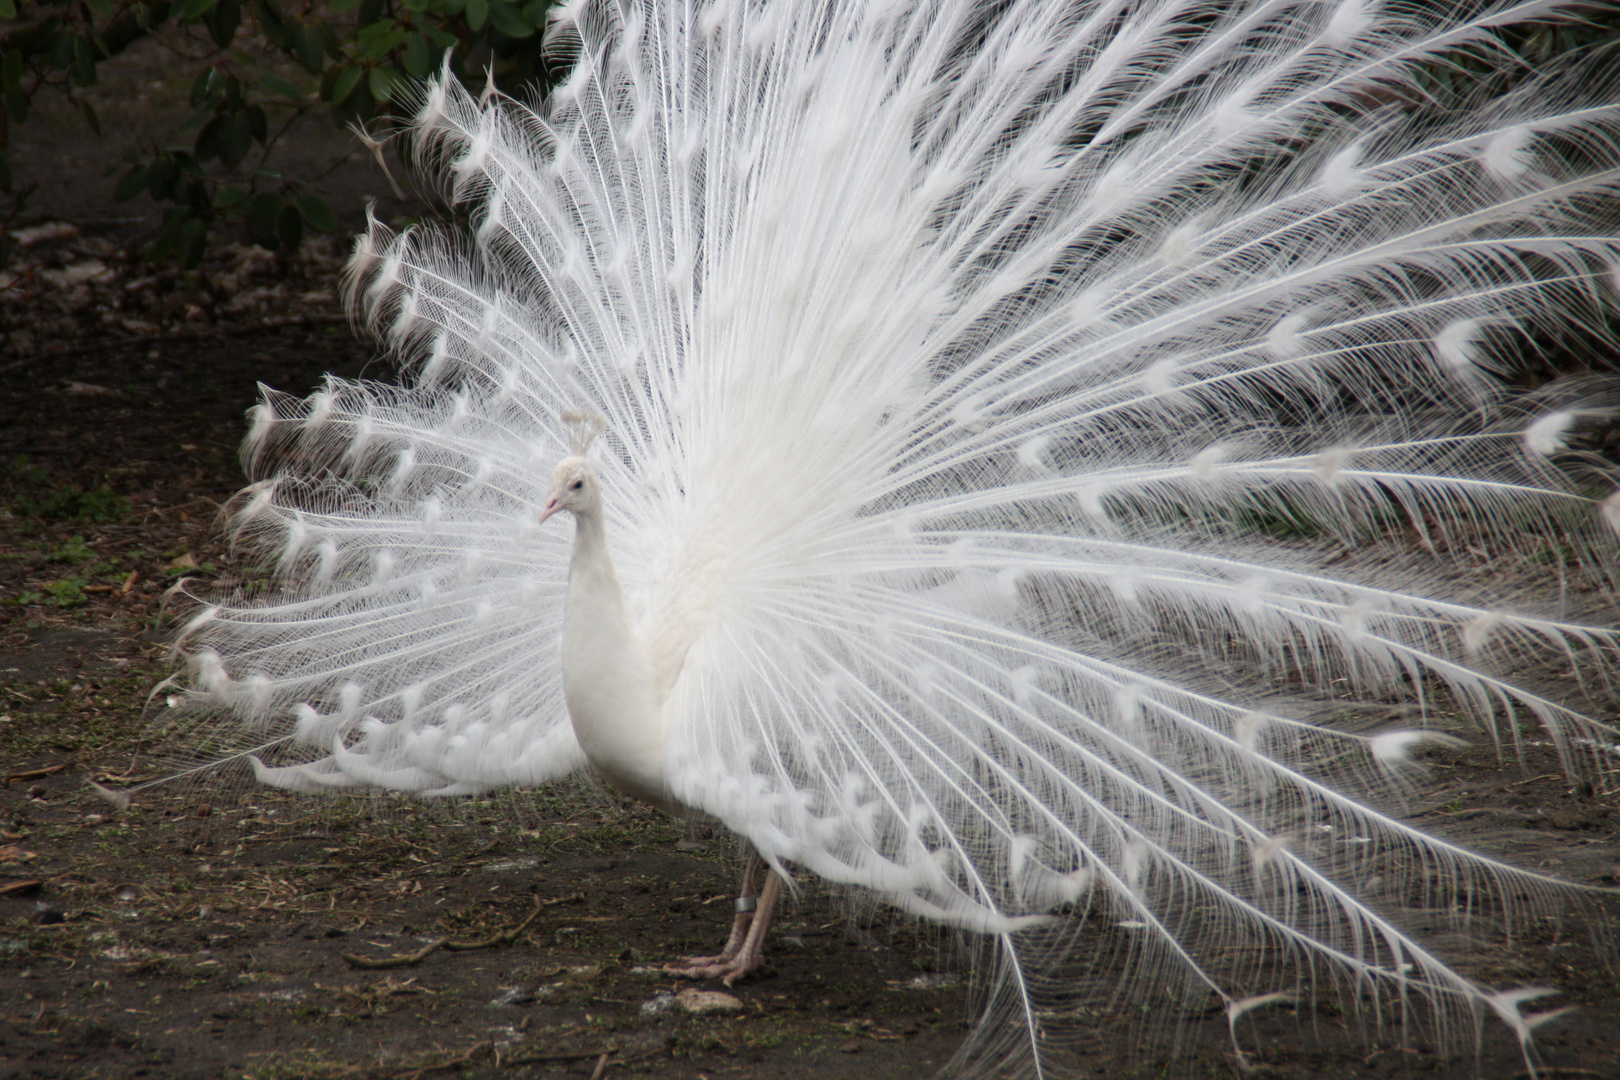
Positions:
{"x": 77, "y": 274}
{"x": 84, "y": 389}
{"x": 40, "y": 234}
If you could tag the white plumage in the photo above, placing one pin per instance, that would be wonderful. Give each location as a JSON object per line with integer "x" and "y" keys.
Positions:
{"x": 1023, "y": 422}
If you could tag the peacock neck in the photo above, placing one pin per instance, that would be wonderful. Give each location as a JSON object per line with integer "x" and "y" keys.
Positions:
{"x": 607, "y": 677}
{"x": 590, "y": 557}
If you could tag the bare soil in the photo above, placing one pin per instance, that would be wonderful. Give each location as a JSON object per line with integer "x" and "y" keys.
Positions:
{"x": 207, "y": 930}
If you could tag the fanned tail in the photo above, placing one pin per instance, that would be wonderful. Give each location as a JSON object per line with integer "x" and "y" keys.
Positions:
{"x": 1026, "y": 425}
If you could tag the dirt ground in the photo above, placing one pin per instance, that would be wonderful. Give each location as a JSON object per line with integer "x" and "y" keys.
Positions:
{"x": 207, "y": 930}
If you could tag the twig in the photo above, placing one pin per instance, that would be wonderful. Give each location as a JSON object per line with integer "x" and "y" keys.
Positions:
{"x": 464, "y": 1059}
{"x": 35, "y": 774}
{"x": 504, "y": 937}
{"x": 537, "y": 1059}
{"x": 402, "y": 960}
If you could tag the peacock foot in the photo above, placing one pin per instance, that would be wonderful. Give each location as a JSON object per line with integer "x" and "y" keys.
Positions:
{"x": 744, "y": 952}
{"x": 728, "y": 969}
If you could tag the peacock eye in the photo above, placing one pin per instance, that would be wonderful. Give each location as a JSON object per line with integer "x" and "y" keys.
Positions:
{"x": 576, "y": 485}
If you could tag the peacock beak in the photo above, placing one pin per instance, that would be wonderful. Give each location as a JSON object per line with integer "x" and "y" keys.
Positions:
{"x": 553, "y": 504}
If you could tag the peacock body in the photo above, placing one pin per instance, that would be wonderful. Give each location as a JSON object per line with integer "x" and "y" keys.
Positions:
{"x": 1024, "y": 426}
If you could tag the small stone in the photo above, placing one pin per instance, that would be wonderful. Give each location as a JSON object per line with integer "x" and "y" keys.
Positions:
{"x": 512, "y": 866}
{"x": 849, "y": 1048}
{"x": 707, "y": 1002}
{"x": 513, "y": 995}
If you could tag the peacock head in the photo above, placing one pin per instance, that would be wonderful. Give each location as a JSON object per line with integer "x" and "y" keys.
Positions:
{"x": 574, "y": 487}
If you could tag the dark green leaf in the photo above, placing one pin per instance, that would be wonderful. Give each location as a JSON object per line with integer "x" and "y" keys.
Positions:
{"x": 316, "y": 213}
{"x": 257, "y": 124}
{"x": 290, "y": 227}
{"x": 272, "y": 23}
{"x": 450, "y": 9}
{"x": 200, "y": 116}
{"x": 418, "y": 57}
{"x": 509, "y": 20}
{"x": 233, "y": 91}
{"x": 161, "y": 177}
{"x": 223, "y": 21}
{"x": 206, "y": 145}
{"x": 370, "y": 35}
{"x": 230, "y": 195}
{"x": 394, "y": 39}
{"x": 306, "y": 45}
{"x": 102, "y": 51}
{"x": 444, "y": 39}
{"x": 383, "y": 45}
{"x": 193, "y": 242}
{"x": 11, "y": 69}
{"x": 370, "y": 12}
{"x": 103, "y": 9}
{"x": 360, "y": 107}
{"x": 535, "y": 13}
{"x": 173, "y": 221}
{"x": 201, "y": 85}
{"x": 277, "y": 85}
{"x": 382, "y": 84}
{"x": 477, "y": 14}
{"x": 5, "y": 174}
{"x": 329, "y": 39}
{"x": 90, "y": 116}
{"x": 340, "y": 7}
{"x": 8, "y": 10}
{"x": 83, "y": 68}
{"x": 235, "y": 138}
{"x": 261, "y": 219}
{"x": 130, "y": 184}
{"x": 190, "y": 10}
{"x": 194, "y": 193}
{"x": 59, "y": 54}
{"x": 343, "y": 85}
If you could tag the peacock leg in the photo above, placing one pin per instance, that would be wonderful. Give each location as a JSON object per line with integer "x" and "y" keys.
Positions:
{"x": 744, "y": 949}
{"x": 752, "y": 954}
